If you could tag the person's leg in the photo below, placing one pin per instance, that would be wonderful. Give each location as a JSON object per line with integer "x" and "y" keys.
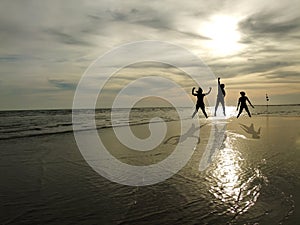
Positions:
{"x": 241, "y": 109}
{"x": 223, "y": 106}
{"x": 247, "y": 110}
{"x": 196, "y": 110}
{"x": 203, "y": 110}
{"x": 217, "y": 105}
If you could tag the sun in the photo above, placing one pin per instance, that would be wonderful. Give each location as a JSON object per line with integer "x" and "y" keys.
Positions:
{"x": 223, "y": 34}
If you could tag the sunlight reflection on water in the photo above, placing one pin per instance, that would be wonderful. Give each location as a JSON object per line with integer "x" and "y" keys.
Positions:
{"x": 233, "y": 183}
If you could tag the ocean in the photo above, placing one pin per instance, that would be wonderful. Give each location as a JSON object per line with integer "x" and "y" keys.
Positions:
{"x": 251, "y": 178}
{"x": 26, "y": 123}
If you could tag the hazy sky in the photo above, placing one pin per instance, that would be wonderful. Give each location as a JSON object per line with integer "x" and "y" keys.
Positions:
{"x": 46, "y": 46}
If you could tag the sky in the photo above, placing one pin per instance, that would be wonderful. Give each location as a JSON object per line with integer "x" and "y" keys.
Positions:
{"x": 46, "y": 46}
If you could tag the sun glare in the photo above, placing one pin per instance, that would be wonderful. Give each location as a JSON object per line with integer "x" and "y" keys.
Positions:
{"x": 222, "y": 30}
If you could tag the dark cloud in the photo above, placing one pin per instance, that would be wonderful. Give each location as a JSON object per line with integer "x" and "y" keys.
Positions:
{"x": 268, "y": 25}
{"x": 160, "y": 65}
{"x": 62, "y": 84}
{"x": 262, "y": 24}
{"x": 148, "y": 17}
{"x": 147, "y": 65}
{"x": 194, "y": 35}
{"x": 10, "y": 58}
{"x": 118, "y": 15}
{"x": 66, "y": 38}
{"x": 165, "y": 25}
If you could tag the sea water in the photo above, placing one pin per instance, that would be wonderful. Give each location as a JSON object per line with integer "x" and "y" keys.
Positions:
{"x": 25, "y": 123}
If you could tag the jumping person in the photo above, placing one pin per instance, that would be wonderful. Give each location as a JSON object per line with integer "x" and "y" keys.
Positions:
{"x": 242, "y": 101}
{"x": 200, "y": 100}
{"x": 220, "y": 97}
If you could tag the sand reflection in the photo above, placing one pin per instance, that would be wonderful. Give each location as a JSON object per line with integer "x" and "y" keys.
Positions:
{"x": 234, "y": 183}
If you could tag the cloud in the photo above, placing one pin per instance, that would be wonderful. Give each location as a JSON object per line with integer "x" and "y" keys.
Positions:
{"x": 269, "y": 25}
{"x": 62, "y": 84}
{"x": 10, "y": 58}
{"x": 286, "y": 75}
{"x": 68, "y": 38}
{"x": 51, "y": 43}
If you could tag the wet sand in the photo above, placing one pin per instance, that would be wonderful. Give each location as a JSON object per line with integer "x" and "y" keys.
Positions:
{"x": 253, "y": 177}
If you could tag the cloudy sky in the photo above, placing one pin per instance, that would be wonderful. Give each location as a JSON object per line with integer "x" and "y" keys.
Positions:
{"x": 46, "y": 46}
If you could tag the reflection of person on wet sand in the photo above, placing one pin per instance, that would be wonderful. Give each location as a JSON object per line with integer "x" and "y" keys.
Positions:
{"x": 220, "y": 97}
{"x": 200, "y": 100}
{"x": 214, "y": 145}
{"x": 242, "y": 101}
{"x": 189, "y": 133}
{"x": 251, "y": 130}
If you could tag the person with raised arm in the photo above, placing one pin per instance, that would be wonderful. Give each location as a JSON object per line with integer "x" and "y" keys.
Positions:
{"x": 220, "y": 97}
{"x": 200, "y": 100}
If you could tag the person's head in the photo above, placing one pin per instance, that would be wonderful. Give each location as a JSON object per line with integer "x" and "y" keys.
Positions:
{"x": 222, "y": 85}
{"x": 242, "y": 93}
{"x": 200, "y": 90}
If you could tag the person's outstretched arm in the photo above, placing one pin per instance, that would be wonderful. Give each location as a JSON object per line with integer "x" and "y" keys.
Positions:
{"x": 193, "y": 93}
{"x": 219, "y": 83}
{"x": 250, "y": 102}
{"x": 208, "y": 91}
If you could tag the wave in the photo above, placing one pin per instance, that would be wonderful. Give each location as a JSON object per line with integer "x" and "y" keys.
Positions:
{"x": 29, "y": 123}
{"x": 16, "y": 133}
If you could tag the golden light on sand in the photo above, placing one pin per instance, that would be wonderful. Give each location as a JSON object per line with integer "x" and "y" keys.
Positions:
{"x": 235, "y": 183}
{"x": 222, "y": 30}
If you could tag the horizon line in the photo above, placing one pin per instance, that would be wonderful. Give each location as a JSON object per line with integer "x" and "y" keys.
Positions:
{"x": 49, "y": 109}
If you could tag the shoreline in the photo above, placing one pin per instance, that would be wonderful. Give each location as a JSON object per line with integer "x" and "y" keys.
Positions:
{"x": 212, "y": 118}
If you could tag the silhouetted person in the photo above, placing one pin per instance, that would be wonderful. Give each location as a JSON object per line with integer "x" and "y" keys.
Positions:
{"x": 220, "y": 97}
{"x": 200, "y": 100}
{"x": 242, "y": 101}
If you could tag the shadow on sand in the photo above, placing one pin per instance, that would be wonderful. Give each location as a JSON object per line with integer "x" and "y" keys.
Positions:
{"x": 251, "y": 130}
{"x": 174, "y": 140}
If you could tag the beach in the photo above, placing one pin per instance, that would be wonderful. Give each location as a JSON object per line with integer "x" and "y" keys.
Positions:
{"x": 253, "y": 178}
{"x": 149, "y": 112}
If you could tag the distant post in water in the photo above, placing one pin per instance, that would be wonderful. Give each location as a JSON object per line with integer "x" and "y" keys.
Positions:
{"x": 267, "y": 99}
